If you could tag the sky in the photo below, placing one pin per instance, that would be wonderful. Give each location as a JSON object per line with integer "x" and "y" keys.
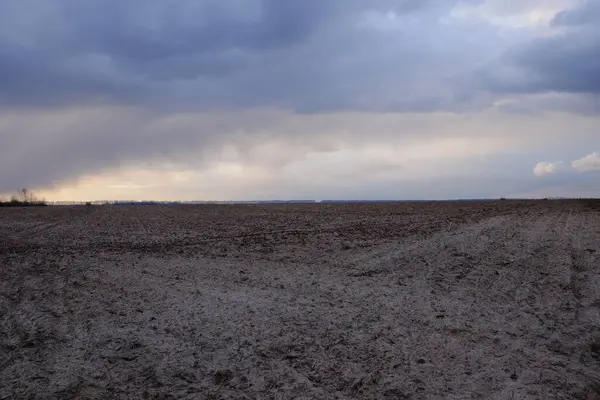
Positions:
{"x": 300, "y": 99}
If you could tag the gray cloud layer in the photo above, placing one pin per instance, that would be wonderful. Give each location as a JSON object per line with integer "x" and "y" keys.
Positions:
{"x": 568, "y": 61}
{"x": 306, "y": 55}
{"x": 303, "y": 54}
{"x": 143, "y": 64}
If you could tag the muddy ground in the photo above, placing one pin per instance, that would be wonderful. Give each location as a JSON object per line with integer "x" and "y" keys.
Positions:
{"x": 490, "y": 300}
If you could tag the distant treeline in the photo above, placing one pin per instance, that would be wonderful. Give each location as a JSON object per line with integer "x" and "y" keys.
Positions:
{"x": 182, "y": 202}
{"x": 17, "y": 203}
{"x": 24, "y": 198}
{"x": 192, "y": 202}
{"x": 198, "y": 202}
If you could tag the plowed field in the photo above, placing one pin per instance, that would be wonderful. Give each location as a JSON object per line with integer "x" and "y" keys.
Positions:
{"x": 489, "y": 300}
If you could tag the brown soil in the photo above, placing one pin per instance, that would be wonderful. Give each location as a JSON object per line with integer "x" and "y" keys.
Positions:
{"x": 490, "y": 300}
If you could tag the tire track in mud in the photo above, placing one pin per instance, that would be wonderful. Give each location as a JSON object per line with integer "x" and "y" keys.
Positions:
{"x": 543, "y": 259}
{"x": 584, "y": 274}
{"x": 576, "y": 270}
{"x": 446, "y": 244}
{"x": 27, "y": 237}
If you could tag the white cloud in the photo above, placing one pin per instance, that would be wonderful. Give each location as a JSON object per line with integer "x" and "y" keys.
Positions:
{"x": 588, "y": 163}
{"x": 591, "y": 162}
{"x": 547, "y": 168}
{"x": 515, "y": 15}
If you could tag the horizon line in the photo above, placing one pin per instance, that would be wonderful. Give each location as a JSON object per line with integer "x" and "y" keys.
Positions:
{"x": 302, "y": 201}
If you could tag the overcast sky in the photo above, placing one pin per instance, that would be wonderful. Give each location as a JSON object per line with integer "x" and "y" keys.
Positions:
{"x": 300, "y": 99}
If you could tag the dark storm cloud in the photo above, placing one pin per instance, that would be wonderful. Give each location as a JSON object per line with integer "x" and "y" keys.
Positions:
{"x": 140, "y": 32}
{"x": 141, "y": 65}
{"x": 587, "y": 14}
{"x": 70, "y": 50}
{"x": 567, "y": 62}
{"x": 300, "y": 54}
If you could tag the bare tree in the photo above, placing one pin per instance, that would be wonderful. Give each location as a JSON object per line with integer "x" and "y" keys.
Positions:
{"x": 24, "y": 196}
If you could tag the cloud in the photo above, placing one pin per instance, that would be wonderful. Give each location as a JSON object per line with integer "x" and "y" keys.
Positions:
{"x": 546, "y": 168}
{"x": 587, "y": 14}
{"x": 305, "y": 55}
{"x": 254, "y": 96}
{"x": 512, "y": 16}
{"x": 222, "y": 153}
{"x": 588, "y": 163}
{"x": 566, "y": 61}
